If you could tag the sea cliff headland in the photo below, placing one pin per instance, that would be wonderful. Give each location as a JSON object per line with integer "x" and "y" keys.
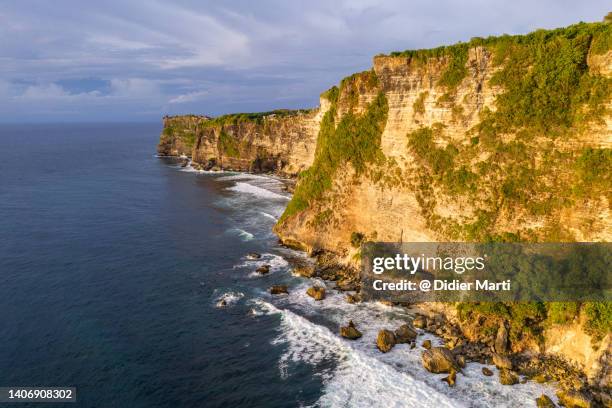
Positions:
{"x": 497, "y": 139}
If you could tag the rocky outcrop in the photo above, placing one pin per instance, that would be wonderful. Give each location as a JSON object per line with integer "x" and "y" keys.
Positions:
{"x": 574, "y": 399}
{"x": 385, "y": 340}
{"x": 439, "y": 360}
{"x": 316, "y": 292}
{"x": 544, "y": 401}
{"x": 350, "y": 331}
{"x": 280, "y": 142}
{"x": 502, "y": 362}
{"x": 405, "y": 334}
{"x": 508, "y": 377}
{"x": 279, "y": 290}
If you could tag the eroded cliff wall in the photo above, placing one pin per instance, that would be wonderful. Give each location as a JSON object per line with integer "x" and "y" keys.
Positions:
{"x": 281, "y": 142}
{"x": 504, "y": 139}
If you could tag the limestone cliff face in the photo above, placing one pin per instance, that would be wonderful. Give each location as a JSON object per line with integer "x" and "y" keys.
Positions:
{"x": 444, "y": 176}
{"x": 281, "y": 142}
{"x": 499, "y": 139}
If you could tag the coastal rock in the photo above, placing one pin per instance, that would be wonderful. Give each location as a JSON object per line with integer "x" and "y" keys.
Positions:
{"x": 185, "y": 163}
{"x": 278, "y": 289}
{"x": 385, "y": 340}
{"x": 262, "y": 270}
{"x": 253, "y": 255}
{"x": 508, "y": 377}
{"x": 487, "y": 371}
{"x": 502, "y": 362}
{"x": 574, "y": 399}
{"x": 501, "y": 340}
{"x": 544, "y": 401}
{"x": 346, "y": 285}
{"x": 405, "y": 334}
{"x": 350, "y": 332}
{"x": 540, "y": 378}
{"x": 439, "y": 360}
{"x": 460, "y": 361}
{"x": 352, "y": 298}
{"x": 305, "y": 270}
{"x": 451, "y": 378}
{"x": 419, "y": 322}
{"x": 316, "y": 292}
{"x": 426, "y": 344}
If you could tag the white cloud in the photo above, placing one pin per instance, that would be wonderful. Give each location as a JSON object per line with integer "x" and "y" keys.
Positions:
{"x": 189, "y": 97}
{"x": 248, "y": 55}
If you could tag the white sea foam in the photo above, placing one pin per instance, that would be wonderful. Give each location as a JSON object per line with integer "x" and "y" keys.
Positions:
{"x": 366, "y": 377}
{"x": 358, "y": 380}
{"x": 242, "y": 176}
{"x": 265, "y": 214}
{"x": 244, "y": 235}
{"x": 228, "y": 299}
{"x": 247, "y": 188}
{"x": 277, "y": 263}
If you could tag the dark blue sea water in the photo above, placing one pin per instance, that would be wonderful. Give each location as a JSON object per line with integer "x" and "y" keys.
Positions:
{"x": 124, "y": 275}
{"x": 111, "y": 261}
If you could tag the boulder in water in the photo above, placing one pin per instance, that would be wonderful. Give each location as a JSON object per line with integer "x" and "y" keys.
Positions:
{"x": 278, "y": 289}
{"x": 262, "y": 270}
{"x": 426, "y": 344}
{"x": 508, "y": 377}
{"x": 385, "y": 340}
{"x": 316, "y": 292}
{"x": 486, "y": 371}
{"x": 305, "y": 270}
{"x": 451, "y": 378}
{"x": 350, "y": 332}
{"x": 460, "y": 361}
{"x": 253, "y": 255}
{"x": 352, "y": 298}
{"x": 405, "y": 334}
{"x": 439, "y": 360}
{"x": 544, "y": 401}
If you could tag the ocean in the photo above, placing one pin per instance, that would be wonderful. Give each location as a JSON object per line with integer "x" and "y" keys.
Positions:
{"x": 125, "y": 275}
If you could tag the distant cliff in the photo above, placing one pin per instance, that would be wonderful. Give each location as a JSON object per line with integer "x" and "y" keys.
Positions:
{"x": 281, "y": 142}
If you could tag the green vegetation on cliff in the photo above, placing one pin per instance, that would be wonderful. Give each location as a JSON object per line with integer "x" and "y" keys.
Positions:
{"x": 252, "y": 117}
{"x": 355, "y": 139}
{"x": 514, "y": 163}
{"x": 549, "y": 95}
{"x": 227, "y": 145}
{"x": 531, "y": 65}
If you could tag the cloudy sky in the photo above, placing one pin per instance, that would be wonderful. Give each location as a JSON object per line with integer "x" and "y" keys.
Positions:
{"x": 135, "y": 60}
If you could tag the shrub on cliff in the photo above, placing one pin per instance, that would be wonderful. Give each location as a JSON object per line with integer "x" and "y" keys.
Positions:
{"x": 355, "y": 139}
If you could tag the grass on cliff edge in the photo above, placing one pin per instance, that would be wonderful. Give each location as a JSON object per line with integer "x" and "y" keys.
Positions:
{"x": 556, "y": 52}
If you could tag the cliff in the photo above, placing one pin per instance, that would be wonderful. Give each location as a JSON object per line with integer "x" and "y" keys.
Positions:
{"x": 279, "y": 142}
{"x": 499, "y": 139}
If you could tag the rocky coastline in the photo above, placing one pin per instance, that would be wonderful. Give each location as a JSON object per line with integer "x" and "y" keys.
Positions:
{"x": 428, "y": 145}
